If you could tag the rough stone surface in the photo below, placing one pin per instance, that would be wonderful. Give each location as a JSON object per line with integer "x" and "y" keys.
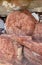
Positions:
{"x": 28, "y": 42}
{"x": 32, "y": 50}
{"x": 20, "y": 22}
{"x": 32, "y": 56}
{"x": 16, "y": 46}
{"x": 37, "y": 35}
{"x": 6, "y": 48}
{"x": 32, "y": 45}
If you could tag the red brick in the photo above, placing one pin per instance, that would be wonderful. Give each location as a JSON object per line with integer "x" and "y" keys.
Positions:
{"x": 20, "y": 22}
{"x": 6, "y": 48}
{"x": 29, "y": 43}
{"x": 32, "y": 56}
{"x": 34, "y": 46}
{"x": 16, "y": 46}
{"x": 37, "y": 35}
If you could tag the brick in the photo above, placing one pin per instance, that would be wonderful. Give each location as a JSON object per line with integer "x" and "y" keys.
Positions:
{"x": 6, "y": 48}
{"x": 32, "y": 56}
{"x": 17, "y": 48}
{"x": 20, "y": 23}
{"x": 37, "y": 35}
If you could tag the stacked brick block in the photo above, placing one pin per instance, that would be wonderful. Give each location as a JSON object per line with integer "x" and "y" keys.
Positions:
{"x": 20, "y": 32}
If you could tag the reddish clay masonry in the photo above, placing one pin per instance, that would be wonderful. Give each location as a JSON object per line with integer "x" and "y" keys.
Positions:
{"x": 34, "y": 49}
{"x": 27, "y": 42}
{"x": 20, "y": 22}
{"x": 32, "y": 56}
{"x": 22, "y": 31}
{"x": 37, "y": 35}
{"x": 6, "y": 48}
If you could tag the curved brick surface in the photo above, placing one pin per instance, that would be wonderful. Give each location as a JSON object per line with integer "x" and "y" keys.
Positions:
{"x": 20, "y": 22}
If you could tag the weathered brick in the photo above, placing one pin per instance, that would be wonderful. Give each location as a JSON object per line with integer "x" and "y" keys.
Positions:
{"x": 33, "y": 57}
{"x": 6, "y": 48}
{"x": 20, "y": 22}
{"x": 37, "y": 35}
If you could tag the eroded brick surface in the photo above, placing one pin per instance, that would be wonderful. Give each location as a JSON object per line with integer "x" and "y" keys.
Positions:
{"x": 32, "y": 56}
{"x": 6, "y": 48}
{"x": 37, "y": 35}
{"x": 20, "y": 22}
